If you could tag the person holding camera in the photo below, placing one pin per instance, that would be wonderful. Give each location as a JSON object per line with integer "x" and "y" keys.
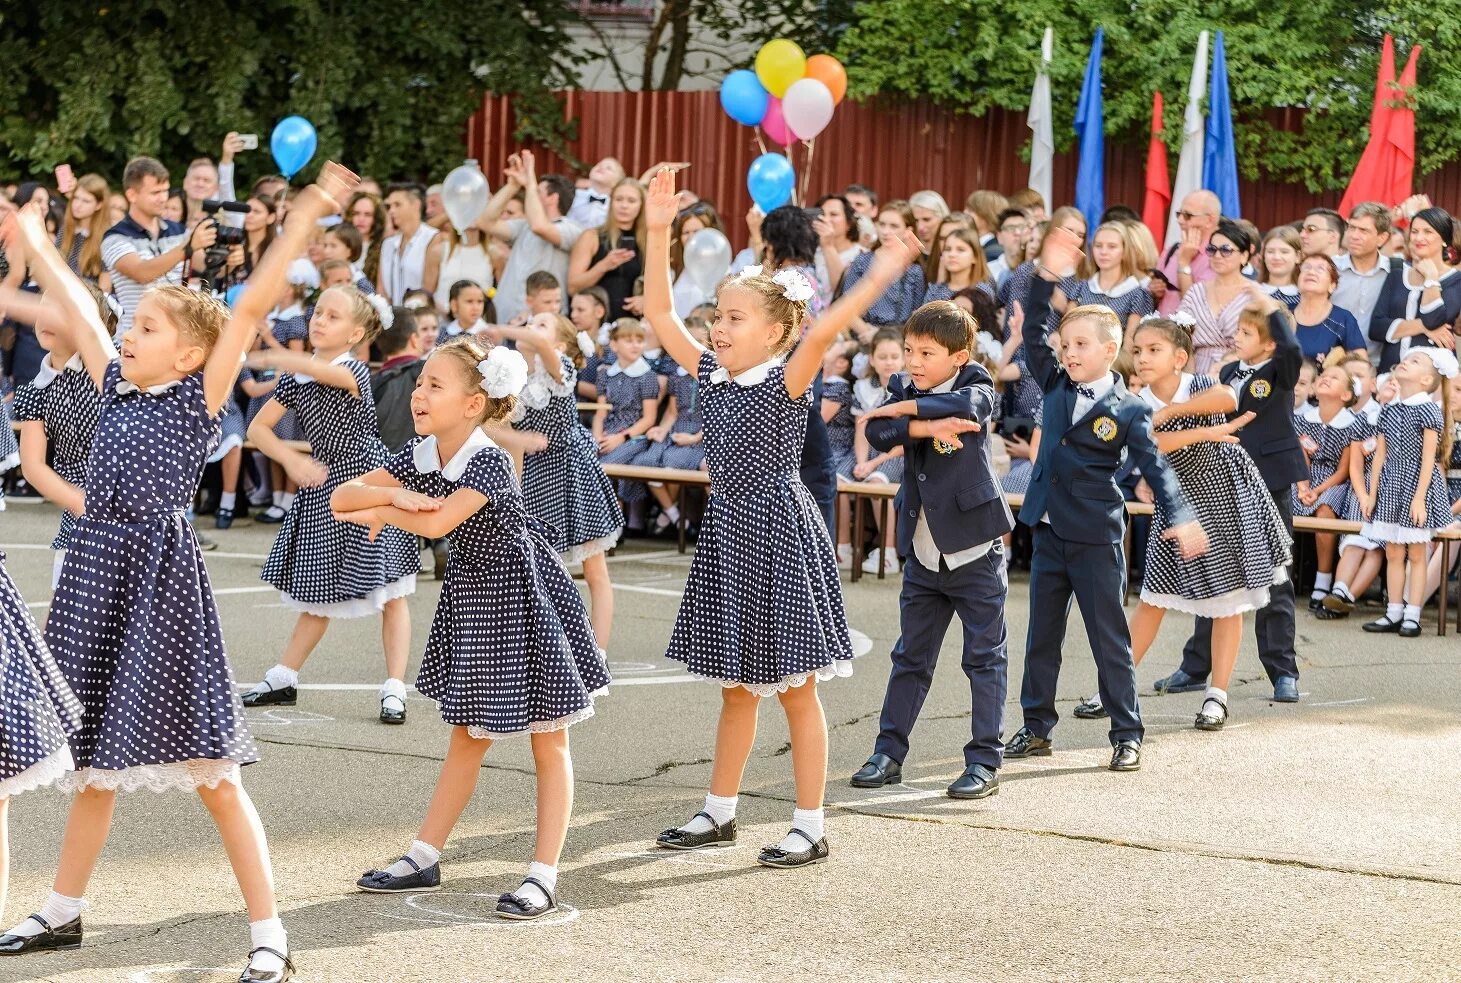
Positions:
{"x": 144, "y": 248}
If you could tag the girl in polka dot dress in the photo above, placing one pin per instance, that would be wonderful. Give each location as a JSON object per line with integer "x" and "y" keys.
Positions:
{"x": 631, "y": 387}
{"x": 563, "y": 483}
{"x": 511, "y": 650}
{"x": 133, "y": 623}
{"x": 1406, "y": 499}
{"x": 677, "y": 441}
{"x": 1327, "y": 431}
{"x": 326, "y": 569}
{"x": 762, "y": 612}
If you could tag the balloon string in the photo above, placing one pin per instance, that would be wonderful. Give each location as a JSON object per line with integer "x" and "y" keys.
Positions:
{"x": 759, "y": 142}
{"x": 795, "y": 198}
{"x": 811, "y": 146}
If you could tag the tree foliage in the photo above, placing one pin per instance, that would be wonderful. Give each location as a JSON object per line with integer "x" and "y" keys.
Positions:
{"x": 388, "y": 85}
{"x": 1319, "y": 56}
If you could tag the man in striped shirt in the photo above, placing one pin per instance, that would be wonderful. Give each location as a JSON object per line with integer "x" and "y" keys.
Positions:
{"x": 144, "y": 248}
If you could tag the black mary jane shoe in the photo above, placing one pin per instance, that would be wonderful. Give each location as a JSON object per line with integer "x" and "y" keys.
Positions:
{"x": 1317, "y": 603}
{"x": 775, "y": 856}
{"x": 271, "y": 516}
{"x": 1125, "y": 756}
{"x": 390, "y": 715}
{"x": 977, "y": 782}
{"x": 1091, "y": 709}
{"x": 880, "y": 770}
{"x": 1382, "y": 625}
{"x": 1409, "y": 629}
{"x": 1211, "y": 720}
{"x": 1026, "y": 745}
{"x": 681, "y": 839}
{"x": 286, "y": 696}
{"x": 251, "y": 975}
{"x": 67, "y": 936}
{"x": 223, "y": 518}
{"x": 421, "y": 880}
{"x": 514, "y": 906}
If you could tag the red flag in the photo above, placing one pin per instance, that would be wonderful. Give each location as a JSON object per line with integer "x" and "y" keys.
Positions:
{"x": 1158, "y": 182}
{"x": 1400, "y": 136}
{"x": 1370, "y": 179}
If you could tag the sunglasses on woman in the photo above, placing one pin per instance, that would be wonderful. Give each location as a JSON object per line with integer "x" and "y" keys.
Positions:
{"x": 1223, "y": 251}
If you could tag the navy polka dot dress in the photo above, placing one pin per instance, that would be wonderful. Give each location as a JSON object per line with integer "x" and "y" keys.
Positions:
{"x": 685, "y": 391}
{"x": 841, "y": 428}
{"x": 133, "y": 624}
{"x": 37, "y": 708}
{"x": 867, "y": 394}
{"x": 284, "y": 330}
{"x": 9, "y": 445}
{"x": 763, "y": 605}
{"x": 1248, "y": 547}
{"x": 68, "y": 404}
{"x": 321, "y": 566}
{"x": 1403, "y": 424}
{"x": 1326, "y": 443}
{"x": 1453, "y": 467}
{"x": 564, "y": 485}
{"x": 1366, "y": 422}
{"x": 511, "y": 650}
{"x": 626, "y": 394}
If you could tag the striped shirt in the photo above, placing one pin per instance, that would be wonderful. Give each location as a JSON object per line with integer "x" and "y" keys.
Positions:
{"x": 127, "y": 238}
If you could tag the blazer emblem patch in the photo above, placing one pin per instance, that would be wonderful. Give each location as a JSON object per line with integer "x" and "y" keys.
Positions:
{"x": 1105, "y": 428}
{"x": 1260, "y": 388}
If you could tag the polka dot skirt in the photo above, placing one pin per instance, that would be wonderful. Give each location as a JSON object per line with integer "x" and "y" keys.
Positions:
{"x": 69, "y": 405}
{"x": 666, "y": 453}
{"x": 1326, "y": 443}
{"x": 1403, "y": 425}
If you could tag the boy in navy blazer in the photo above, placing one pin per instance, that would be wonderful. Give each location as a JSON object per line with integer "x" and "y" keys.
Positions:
{"x": 951, "y": 517}
{"x": 1078, "y": 513}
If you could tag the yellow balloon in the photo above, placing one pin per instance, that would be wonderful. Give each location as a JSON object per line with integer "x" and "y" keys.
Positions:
{"x": 780, "y": 63}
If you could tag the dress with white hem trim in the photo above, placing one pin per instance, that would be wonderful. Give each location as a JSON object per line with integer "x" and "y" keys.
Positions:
{"x": 320, "y": 566}
{"x": 1249, "y": 549}
{"x": 511, "y": 650}
{"x": 763, "y": 604}
{"x": 1403, "y": 424}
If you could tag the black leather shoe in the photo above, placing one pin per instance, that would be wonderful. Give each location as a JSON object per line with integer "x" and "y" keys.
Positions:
{"x": 1286, "y": 689}
{"x": 1316, "y": 603}
{"x": 1179, "y": 682}
{"x": 680, "y": 839}
{"x": 1382, "y": 626}
{"x": 1091, "y": 709}
{"x": 1409, "y": 629}
{"x": 390, "y": 715}
{"x": 1337, "y": 606}
{"x": 1125, "y": 756}
{"x": 1211, "y": 715}
{"x": 286, "y": 697}
{"x": 251, "y": 975}
{"x": 420, "y": 881}
{"x": 977, "y": 782}
{"x": 1026, "y": 745}
{"x": 520, "y": 909}
{"x": 880, "y": 770}
{"x": 223, "y": 518}
{"x": 1326, "y": 613}
{"x": 774, "y": 856}
{"x": 68, "y": 936}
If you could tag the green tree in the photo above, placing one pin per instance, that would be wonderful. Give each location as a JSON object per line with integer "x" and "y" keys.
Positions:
{"x": 1320, "y": 56}
{"x": 388, "y": 85}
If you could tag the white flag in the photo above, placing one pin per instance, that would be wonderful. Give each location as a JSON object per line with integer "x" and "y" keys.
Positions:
{"x": 1189, "y": 165}
{"x": 1042, "y": 143}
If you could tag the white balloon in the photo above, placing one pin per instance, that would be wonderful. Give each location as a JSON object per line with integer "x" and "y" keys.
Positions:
{"x": 464, "y": 195}
{"x": 707, "y": 259}
{"x": 807, "y": 107}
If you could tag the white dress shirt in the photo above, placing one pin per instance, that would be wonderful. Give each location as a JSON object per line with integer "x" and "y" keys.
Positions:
{"x": 923, "y": 545}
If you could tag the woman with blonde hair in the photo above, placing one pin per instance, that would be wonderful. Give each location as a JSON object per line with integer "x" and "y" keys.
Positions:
{"x": 1116, "y": 283}
{"x": 929, "y": 211}
{"x": 613, "y": 258}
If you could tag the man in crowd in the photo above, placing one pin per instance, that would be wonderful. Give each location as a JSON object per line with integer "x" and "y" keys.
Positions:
{"x": 540, "y": 241}
{"x": 864, "y": 202}
{"x": 591, "y": 204}
{"x": 403, "y": 255}
{"x": 1186, "y": 263}
{"x": 1322, "y": 233}
{"x": 1012, "y": 229}
{"x": 1363, "y": 267}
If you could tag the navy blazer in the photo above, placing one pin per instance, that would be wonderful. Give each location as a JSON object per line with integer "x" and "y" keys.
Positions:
{"x": 961, "y": 501}
{"x": 1271, "y": 440}
{"x": 1392, "y": 304}
{"x": 1073, "y": 483}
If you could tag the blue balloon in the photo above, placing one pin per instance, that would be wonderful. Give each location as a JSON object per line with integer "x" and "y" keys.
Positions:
{"x": 231, "y": 297}
{"x": 743, "y": 97}
{"x": 770, "y": 181}
{"x": 293, "y": 143}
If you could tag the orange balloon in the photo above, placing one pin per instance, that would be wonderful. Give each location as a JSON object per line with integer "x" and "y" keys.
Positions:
{"x": 828, "y": 71}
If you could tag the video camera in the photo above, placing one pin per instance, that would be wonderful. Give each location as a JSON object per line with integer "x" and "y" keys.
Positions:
{"x": 216, "y": 256}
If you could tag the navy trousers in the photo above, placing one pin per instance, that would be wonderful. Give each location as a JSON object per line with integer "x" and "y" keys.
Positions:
{"x": 976, "y": 592}
{"x": 1273, "y": 624}
{"x": 1096, "y": 577}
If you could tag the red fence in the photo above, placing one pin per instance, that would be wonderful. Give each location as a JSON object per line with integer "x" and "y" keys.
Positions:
{"x": 894, "y": 148}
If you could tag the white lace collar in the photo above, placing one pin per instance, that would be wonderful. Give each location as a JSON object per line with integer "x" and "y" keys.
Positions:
{"x": 46, "y": 375}
{"x": 428, "y": 459}
{"x": 292, "y": 311}
{"x": 753, "y": 376}
{"x": 634, "y": 371}
{"x": 1418, "y": 399}
{"x": 1120, "y": 290}
{"x": 1342, "y": 419}
{"x": 340, "y": 359}
{"x": 454, "y": 327}
{"x": 1183, "y": 394}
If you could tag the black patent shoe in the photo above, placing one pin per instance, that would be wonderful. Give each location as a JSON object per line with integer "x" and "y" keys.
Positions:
{"x": 880, "y": 770}
{"x": 421, "y": 880}
{"x": 1211, "y": 719}
{"x": 251, "y": 975}
{"x": 389, "y": 714}
{"x": 1316, "y": 603}
{"x": 1026, "y": 745}
{"x": 977, "y": 782}
{"x": 681, "y": 839}
{"x": 774, "y": 856}
{"x": 223, "y": 518}
{"x": 1409, "y": 629}
{"x": 1125, "y": 756}
{"x": 286, "y": 696}
{"x": 514, "y": 906}
{"x": 67, "y": 936}
{"x": 1091, "y": 709}
{"x": 1382, "y": 626}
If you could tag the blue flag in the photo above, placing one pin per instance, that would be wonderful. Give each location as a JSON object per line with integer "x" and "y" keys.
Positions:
{"x": 1219, "y": 154}
{"x": 1090, "y": 176}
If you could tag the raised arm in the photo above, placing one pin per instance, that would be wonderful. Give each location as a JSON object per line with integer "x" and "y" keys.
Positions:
{"x": 537, "y": 215}
{"x": 660, "y": 207}
{"x": 298, "y": 363}
{"x": 533, "y": 341}
{"x": 490, "y": 221}
{"x": 79, "y": 316}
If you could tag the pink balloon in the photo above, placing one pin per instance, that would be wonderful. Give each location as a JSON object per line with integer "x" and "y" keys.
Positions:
{"x": 774, "y": 123}
{"x": 807, "y": 107}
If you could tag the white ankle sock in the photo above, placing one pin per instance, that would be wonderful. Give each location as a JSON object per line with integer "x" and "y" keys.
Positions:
{"x": 228, "y": 500}
{"x": 286, "y": 501}
{"x": 1412, "y": 613}
{"x": 1342, "y": 589}
{"x": 722, "y": 808}
{"x": 393, "y": 689}
{"x": 1214, "y": 693}
{"x": 1322, "y": 583}
{"x": 57, "y": 911}
{"x": 278, "y": 499}
{"x": 278, "y": 677}
{"x": 1394, "y": 611}
{"x": 810, "y": 822}
{"x": 542, "y": 872}
{"x": 423, "y": 854}
{"x": 268, "y": 932}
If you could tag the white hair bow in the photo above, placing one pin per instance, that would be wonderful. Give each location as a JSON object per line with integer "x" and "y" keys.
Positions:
{"x": 382, "y": 310}
{"x": 504, "y": 372}
{"x": 1443, "y": 359}
{"x": 585, "y": 344}
{"x": 794, "y": 286}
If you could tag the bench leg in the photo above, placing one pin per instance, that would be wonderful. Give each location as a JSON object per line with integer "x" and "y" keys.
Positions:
{"x": 855, "y": 534}
{"x": 1445, "y": 588}
{"x": 882, "y": 536}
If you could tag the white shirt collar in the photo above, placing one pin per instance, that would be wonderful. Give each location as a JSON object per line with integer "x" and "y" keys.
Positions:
{"x": 304, "y": 377}
{"x": 292, "y": 311}
{"x": 1245, "y": 367}
{"x": 753, "y": 376}
{"x": 1099, "y": 386}
{"x": 1120, "y": 290}
{"x": 1346, "y": 264}
{"x": 1418, "y": 399}
{"x": 124, "y": 387}
{"x": 1184, "y": 393}
{"x": 427, "y": 458}
{"x": 45, "y": 375}
{"x": 1341, "y": 419}
{"x": 633, "y": 371}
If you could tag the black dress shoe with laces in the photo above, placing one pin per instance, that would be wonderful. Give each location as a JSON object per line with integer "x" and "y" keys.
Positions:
{"x": 880, "y": 770}
{"x": 1026, "y": 745}
{"x": 977, "y": 782}
{"x": 775, "y": 856}
{"x": 66, "y": 936}
{"x": 680, "y": 838}
{"x": 1125, "y": 756}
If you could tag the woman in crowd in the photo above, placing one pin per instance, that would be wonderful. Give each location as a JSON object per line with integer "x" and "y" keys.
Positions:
{"x": 898, "y": 302}
{"x": 366, "y": 213}
{"x": 687, "y": 293}
{"x": 1421, "y": 299}
{"x": 838, "y": 242}
{"x": 452, "y": 258}
{"x": 929, "y": 210}
{"x": 612, "y": 259}
{"x": 258, "y": 226}
{"x": 1323, "y": 327}
{"x": 87, "y": 220}
{"x": 1117, "y": 281}
{"x": 1216, "y": 304}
